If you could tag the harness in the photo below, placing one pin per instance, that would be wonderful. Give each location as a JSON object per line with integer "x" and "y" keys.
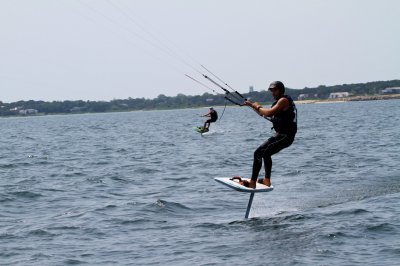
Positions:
{"x": 214, "y": 115}
{"x": 285, "y": 121}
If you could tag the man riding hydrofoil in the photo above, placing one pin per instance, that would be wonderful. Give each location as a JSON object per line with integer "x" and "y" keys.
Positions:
{"x": 283, "y": 115}
{"x": 213, "y": 115}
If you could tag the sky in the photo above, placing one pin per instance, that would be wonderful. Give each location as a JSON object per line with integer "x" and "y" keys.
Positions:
{"x": 115, "y": 49}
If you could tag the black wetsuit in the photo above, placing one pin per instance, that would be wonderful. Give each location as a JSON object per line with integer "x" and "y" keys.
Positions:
{"x": 213, "y": 117}
{"x": 285, "y": 125}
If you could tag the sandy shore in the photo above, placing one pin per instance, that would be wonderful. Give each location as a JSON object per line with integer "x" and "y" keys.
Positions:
{"x": 352, "y": 98}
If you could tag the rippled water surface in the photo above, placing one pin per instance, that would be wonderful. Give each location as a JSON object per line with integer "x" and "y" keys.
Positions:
{"x": 137, "y": 189}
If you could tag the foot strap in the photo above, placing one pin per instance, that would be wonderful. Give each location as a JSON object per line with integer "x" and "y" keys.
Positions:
{"x": 236, "y": 178}
{"x": 241, "y": 181}
{"x": 246, "y": 183}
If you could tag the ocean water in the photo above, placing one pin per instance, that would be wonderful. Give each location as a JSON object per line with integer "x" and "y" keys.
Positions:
{"x": 137, "y": 189}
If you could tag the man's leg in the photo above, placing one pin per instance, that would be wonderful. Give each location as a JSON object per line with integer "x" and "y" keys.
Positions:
{"x": 268, "y": 168}
{"x": 257, "y": 163}
{"x": 208, "y": 122}
{"x": 279, "y": 143}
{"x": 265, "y": 151}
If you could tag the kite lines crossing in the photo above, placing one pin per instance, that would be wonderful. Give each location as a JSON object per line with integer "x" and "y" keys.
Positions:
{"x": 136, "y": 31}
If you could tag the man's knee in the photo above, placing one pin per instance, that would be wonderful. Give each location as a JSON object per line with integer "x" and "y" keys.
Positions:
{"x": 267, "y": 156}
{"x": 258, "y": 154}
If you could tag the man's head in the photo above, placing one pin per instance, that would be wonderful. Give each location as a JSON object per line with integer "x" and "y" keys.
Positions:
{"x": 211, "y": 108}
{"x": 277, "y": 89}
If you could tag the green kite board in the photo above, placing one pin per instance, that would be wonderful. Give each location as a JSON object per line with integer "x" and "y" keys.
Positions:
{"x": 200, "y": 130}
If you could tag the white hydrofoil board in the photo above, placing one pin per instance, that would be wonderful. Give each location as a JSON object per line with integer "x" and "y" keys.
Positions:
{"x": 236, "y": 186}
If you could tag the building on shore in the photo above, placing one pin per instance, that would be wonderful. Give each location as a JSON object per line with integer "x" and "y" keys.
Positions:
{"x": 251, "y": 89}
{"x": 28, "y": 112}
{"x": 16, "y": 109}
{"x": 336, "y": 95}
{"x": 77, "y": 109}
{"x": 390, "y": 90}
{"x": 306, "y": 96}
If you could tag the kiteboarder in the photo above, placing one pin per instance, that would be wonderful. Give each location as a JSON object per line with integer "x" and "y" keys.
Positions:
{"x": 283, "y": 115}
{"x": 213, "y": 115}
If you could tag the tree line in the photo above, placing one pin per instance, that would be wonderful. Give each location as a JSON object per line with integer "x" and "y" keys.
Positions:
{"x": 183, "y": 101}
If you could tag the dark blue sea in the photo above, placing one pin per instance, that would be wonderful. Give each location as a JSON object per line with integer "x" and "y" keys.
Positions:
{"x": 137, "y": 188}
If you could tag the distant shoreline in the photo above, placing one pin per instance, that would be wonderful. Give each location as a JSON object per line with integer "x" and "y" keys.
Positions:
{"x": 376, "y": 90}
{"x": 352, "y": 99}
{"x": 299, "y": 102}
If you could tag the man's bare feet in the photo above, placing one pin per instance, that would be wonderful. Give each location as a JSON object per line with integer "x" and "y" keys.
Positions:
{"x": 265, "y": 181}
{"x": 252, "y": 184}
{"x": 246, "y": 183}
{"x": 249, "y": 184}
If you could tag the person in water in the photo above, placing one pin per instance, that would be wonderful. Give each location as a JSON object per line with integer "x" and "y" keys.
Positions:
{"x": 283, "y": 115}
{"x": 213, "y": 115}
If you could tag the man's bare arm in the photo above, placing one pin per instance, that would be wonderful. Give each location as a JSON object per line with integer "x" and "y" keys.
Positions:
{"x": 281, "y": 105}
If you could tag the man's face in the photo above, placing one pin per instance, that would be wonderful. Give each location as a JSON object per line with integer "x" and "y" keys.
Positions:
{"x": 276, "y": 93}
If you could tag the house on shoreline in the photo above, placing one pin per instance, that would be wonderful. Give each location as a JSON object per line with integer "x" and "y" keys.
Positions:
{"x": 337, "y": 95}
{"x": 391, "y": 90}
{"x": 306, "y": 96}
{"x": 28, "y": 112}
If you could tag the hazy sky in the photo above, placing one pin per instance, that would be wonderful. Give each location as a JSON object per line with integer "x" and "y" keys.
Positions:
{"x": 105, "y": 49}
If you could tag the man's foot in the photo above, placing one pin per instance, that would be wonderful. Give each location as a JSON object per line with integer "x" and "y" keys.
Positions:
{"x": 252, "y": 184}
{"x": 265, "y": 181}
{"x": 246, "y": 183}
{"x": 249, "y": 184}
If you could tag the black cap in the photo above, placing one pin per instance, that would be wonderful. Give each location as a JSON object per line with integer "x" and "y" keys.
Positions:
{"x": 277, "y": 84}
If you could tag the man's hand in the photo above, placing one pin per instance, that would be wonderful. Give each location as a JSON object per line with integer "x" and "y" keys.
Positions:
{"x": 248, "y": 103}
{"x": 251, "y": 104}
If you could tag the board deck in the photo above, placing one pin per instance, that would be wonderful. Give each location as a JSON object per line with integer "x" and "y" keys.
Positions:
{"x": 236, "y": 186}
{"x": 200, "y": 130}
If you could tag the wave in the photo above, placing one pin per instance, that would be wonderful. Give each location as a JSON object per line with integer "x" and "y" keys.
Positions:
{"x": 133, "y": 221}
{"x": 26, "y": 194}
{"x": 7, "y": 236}
{"x": 5, "y": 199}
{"x": 110, "y": 206}
{"x": 64, "y": 227}
{"x": 349, "y": 212}
{"x": 74, "y": 262}
{"x": 40, "y": 232}
{"x": 170, "y": 207}
{"x": 382, "y": 227}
